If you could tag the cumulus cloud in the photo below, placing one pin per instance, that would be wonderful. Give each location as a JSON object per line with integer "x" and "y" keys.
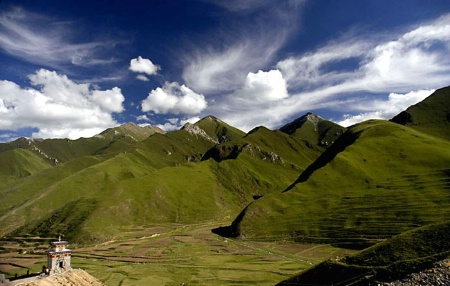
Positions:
{"x": 48, "y": 41}
{"x": 142, "y": 77}
{"x": 142, "y": 65}
{"x": 142, "y": 118}
{"x": 263, "y": 86}
{"x": 176, "y": 123}
{"x": 174, "y": 98}
{"x": 58, "y": 107}
{"x": 386, "y": 109}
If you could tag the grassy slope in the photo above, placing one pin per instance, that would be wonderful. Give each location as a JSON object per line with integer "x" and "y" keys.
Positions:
{"x": 314, "y": 129}
{"x": 161, "y": 180}
{"x": 19, "y": 163}
{"x": 379, "y": 179}
{"x": 431, "y": 116}
{"x": 411, "y": 251}
{"x": 113, "y": 140}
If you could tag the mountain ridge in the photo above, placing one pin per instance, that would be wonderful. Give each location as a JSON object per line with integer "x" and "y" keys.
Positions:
{"x": 240, "y": 166}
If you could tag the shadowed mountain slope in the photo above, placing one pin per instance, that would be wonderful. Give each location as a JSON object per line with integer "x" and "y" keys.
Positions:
{"x": 432, "y": 115}
{"x": 377, "y": 180}
{"x": 165, "y": 178}
{"x": 314, "y": 129}
{"x": 412, "y": 251}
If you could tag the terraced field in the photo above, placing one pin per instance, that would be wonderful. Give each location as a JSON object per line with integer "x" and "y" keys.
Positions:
{"x": 176, "y": 254}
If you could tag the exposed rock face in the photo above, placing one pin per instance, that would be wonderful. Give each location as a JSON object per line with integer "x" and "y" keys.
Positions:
{"x": 195, "y": 130}
{"x": 76, "y": 277}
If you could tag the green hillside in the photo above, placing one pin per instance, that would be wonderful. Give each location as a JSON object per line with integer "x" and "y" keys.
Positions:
{"x": 412, "y": 251}
{"x": 378, "y": 179}
{"x": 20, "y": 163}
{"x": 113, "y": 140}
{"x": 431, "y": 116}
{"x": 166, "y": 178}
{"x": 314, "y": 129}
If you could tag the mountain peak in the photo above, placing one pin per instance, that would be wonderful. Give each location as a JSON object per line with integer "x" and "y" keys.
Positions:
{"x": 137, "y": 132}
{"x": 291, "y": 127}
{"x": 314, "y": 129}
{"x": 211, "y": 118}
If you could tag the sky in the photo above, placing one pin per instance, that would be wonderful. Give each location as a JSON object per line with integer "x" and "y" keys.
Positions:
{"x": 71, "y": 69}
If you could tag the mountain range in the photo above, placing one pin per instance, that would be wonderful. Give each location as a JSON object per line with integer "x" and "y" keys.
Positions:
{"x": 309, "y": 181}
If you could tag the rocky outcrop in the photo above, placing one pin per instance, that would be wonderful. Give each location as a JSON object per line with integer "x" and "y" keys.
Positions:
{"x": 195, "y": 130}
{"x": 439, "y": 275}
{"x": 75, "y": 277}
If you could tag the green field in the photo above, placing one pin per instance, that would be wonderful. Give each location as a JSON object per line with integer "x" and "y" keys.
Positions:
{"x": 175, "y": 254}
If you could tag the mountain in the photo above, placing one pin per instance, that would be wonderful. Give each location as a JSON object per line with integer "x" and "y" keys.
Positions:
{"x": 63, "y": 150}
{"x": 315, "y": 129}
{"x": 52, "y": 152}
{"x": 373, "y": 180}
{"x": 377, "y": 180}
{"x": 91, "y": 196}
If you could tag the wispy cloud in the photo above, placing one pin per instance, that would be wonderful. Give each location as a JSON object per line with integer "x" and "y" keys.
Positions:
{"x": 221, "y": 63}
{"x": 48, "y": 41}
{"x": 385, "y": 109}
{"x": 358, "y": 74}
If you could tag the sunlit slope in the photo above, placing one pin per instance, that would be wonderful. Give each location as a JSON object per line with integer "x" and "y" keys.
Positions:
{"x": 219, "y": 130}
{"x": 431, "y": 116}
{"x": 41, "y": 204}
{"x": 19, "y": 163}
{"x": 97, "y": 202}
{"x": 377, "y": 180}
{"x": 113, "y": 140}
{"x": 164, "y": 179}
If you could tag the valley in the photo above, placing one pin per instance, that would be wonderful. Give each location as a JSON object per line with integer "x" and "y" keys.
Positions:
{"x": 176, "y": 254}
{"x": 211, "y": 204}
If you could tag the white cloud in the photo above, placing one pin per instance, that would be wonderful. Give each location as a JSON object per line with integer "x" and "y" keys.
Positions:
{"x": 224, "y": 59}
{"x": 413, "y": 60}
{"x": 176, "y": 123}
{"x": 142, "y": 65}
{"x": 142, "y": 118}
{"x": 355, "y": 74}
{"x": 386, "y": 109}
{"x": 109, "y": 100}
{"x": 308, "y": 70}
{"x": 58, "y": 107}
{"x": 263, "y": 86}
{"x": 174, "y": 99}
{"x": 49, "y": 41}
{"x": 142, "y": 77}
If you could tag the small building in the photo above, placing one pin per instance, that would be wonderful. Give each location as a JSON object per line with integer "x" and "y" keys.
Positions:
{"x": 59, "y": 257}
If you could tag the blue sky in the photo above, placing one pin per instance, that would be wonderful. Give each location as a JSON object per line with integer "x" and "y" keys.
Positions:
{"x": 71, "y": 69}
